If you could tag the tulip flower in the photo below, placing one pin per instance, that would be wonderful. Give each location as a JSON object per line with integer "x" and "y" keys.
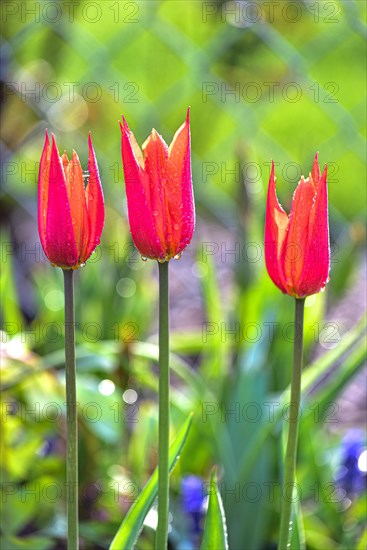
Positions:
{"x": 162, "y": 220}
{"x": 297, "y": 251}
{"x": 70, "y": 215}
{"x": 159, "y": 192}
{"x": 297, "y": 256}
{"x": 70, "y": 223}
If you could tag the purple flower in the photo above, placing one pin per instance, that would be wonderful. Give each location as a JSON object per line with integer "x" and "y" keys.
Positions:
{"x": 193, "y": 501}
{"x": 350, "y": 476}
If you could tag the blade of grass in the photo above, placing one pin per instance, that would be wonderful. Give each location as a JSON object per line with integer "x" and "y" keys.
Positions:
{"x": 132, "y": 524}
{"x": 215, "y": 530}
{"x": 316, "y": 371}
{"x": 298, "y": 541}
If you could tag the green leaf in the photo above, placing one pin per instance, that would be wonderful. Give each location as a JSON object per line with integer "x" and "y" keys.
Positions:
{"x": 215, "y": 530}
{"x": 362, "y": 543}
{"x": 335, "y": 384}
{"x": 132, "y": 524}
{"x": 298, "y": 534}
{"x": 11, "y": 313}
{"x": 214, "y": 364}
{"x": 27, "y": 543}
{"x": 311, "y": 375}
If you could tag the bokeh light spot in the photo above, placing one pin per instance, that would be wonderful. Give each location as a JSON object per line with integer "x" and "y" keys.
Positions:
{"x": 54, "y": 300}
{"x": 126, "y": 287}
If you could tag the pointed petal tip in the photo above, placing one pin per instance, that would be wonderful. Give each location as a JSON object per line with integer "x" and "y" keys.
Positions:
{"x": 154, "y": 135}
{"x": 272, "y": 171}
{"x": 315, "y": 174}
{"x": 324, "y": 172}
{"x": 47, "y": 140}
{"x": 124, "y": 123}
{"x": 124, "y": 127}
{"x": 54, "y": 147}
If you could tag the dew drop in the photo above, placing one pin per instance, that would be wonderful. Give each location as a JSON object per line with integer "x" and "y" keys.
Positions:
{"x": 82, "y": 264}
{"x": 178, "y": 256}
{"x": 176, "y": 226}
{"x": 155, "y": 213}
{"x": 161, "y": 260}
{"x": 144, "y": 258}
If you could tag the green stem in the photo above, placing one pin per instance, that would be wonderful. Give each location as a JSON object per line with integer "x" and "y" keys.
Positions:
{"x": 291, "y": 450}
{"x": 71, "y": 413}
{"x": 163, "y": 442}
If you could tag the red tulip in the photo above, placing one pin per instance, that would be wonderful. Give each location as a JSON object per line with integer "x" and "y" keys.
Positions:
{"x": 70, "y": 216}
{"x": 297, "y": 251}
{"x": 159, "y": 192}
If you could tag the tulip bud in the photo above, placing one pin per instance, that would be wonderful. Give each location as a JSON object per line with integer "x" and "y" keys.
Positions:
{"x": 159, "y": 192}
{"x": 70, "y": 215}
{"x": 297, "y": 250}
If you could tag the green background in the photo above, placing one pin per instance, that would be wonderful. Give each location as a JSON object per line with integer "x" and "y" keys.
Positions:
{"x": 264, "y": 80}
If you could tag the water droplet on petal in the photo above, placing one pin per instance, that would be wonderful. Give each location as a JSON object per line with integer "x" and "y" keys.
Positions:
{"x": 82, "y": 264}
{"x": 161, "y": 260}
{"x": 144, "y": 258}
{"x": 176, "y": 226}
{"x": 178, "y": 256}
{"x": 155, "y": 213}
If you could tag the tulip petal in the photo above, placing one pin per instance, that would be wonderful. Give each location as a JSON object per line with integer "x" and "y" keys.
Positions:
{"x": 296, "y": 242}
{"x": 65, "y": 163}
{"x": 94, "y": 204}
{"x": 140, "y": 211}
{"x": 156, "y": 155}
{"x": 302, "y": 268}
{"x": 316, "y": 169}
{"x": 179, "y": 190}
{"x": 317, "y": 258}
{"x": 76, "y": 194}
{"x": 276, "y": 223}
{"x": 60, "y": 240}
{"x": 43, "y": 179}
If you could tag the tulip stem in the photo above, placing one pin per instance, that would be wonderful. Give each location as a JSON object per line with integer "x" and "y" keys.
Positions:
{"x": 71, "y": 413}
{"x": 163, "y": 438}
{"x": 294, "y": 414}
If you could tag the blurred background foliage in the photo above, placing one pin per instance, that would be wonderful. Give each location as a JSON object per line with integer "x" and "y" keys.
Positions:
{"x": 265, "y": 80}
